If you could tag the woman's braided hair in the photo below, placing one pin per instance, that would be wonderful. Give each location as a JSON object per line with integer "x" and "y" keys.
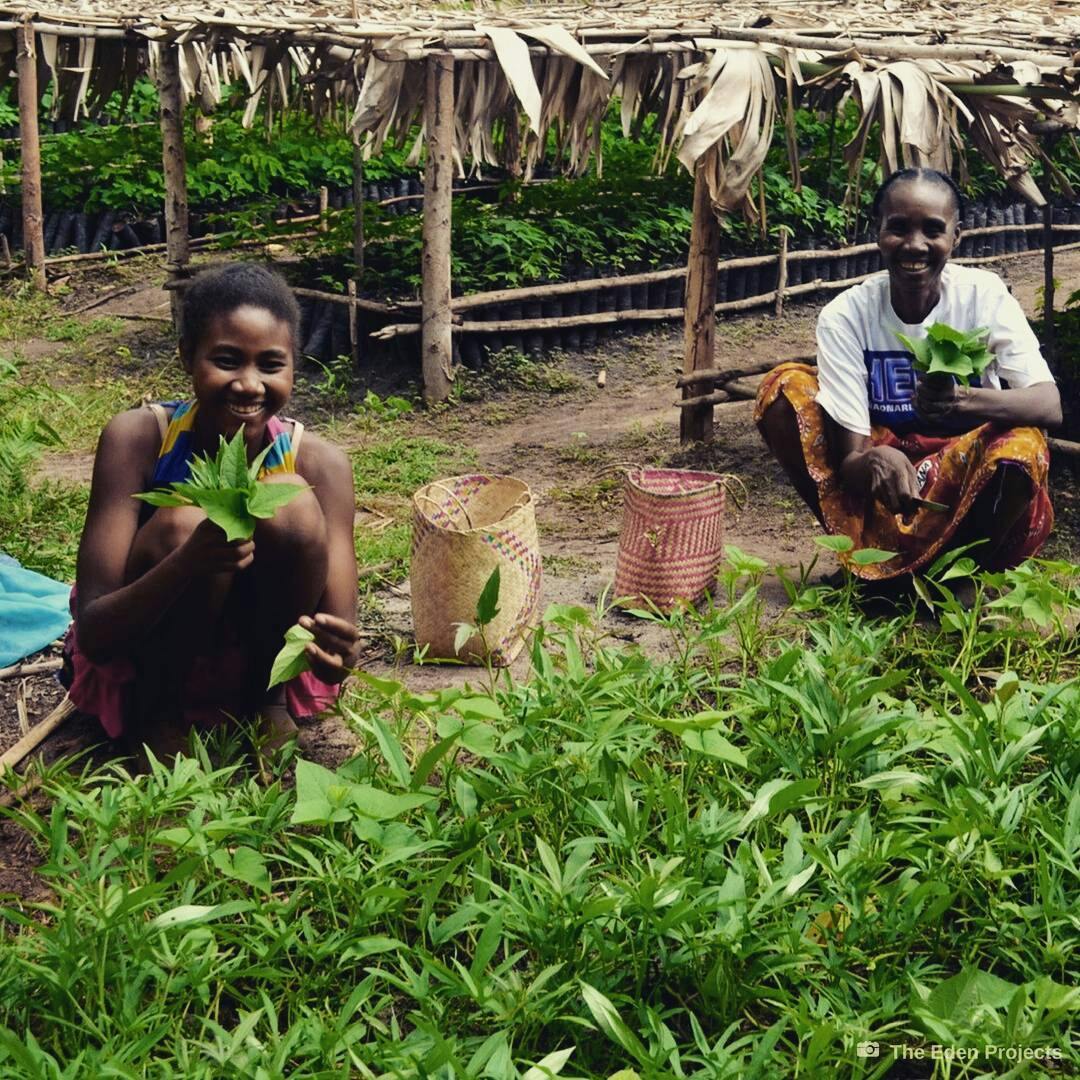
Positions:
{"x": 217, "y": 292}
{"x": 933, "y": 176}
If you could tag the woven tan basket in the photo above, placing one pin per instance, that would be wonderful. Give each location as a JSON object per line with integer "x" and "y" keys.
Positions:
{"x": 672, "y": 537}
{"x": 463, "y": 527}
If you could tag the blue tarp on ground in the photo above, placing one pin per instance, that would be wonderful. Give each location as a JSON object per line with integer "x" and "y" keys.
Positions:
{"x": 33, "y": 611}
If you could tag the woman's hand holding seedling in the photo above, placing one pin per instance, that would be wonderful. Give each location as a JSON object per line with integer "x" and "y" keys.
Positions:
{"x": 322, "y": 644}
{"x": 940, "y": 400}
{"x": 208, "y": 551}
{"x": 948, "y": 351}
{"x": 331, "y": 653}
{"x": 950, "y": 358}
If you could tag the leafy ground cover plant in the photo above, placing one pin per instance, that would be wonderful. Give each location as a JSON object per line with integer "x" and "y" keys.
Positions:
{"x": 796, "y": 834}
{"x": 948, "y": 351}
{"x": 227, "y": 489}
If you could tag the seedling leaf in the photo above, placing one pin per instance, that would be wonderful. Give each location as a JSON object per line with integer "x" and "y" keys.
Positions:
{"x": 948, "y": 351}
{"x": 163, "y": 497}
{"x": 292, "y": 659}
{"x": 227, "y": 508}
{"x": 487, "y": 607}
{"x": 835, "y": 543}
{"x": 711, "y": 742}
{"x": 232, "y": 461}
{"x": 227, "y": 489}
{"x": 870, "y": 556}
{"x": 611, "y": 1023}
{"x": 267, "y": 498}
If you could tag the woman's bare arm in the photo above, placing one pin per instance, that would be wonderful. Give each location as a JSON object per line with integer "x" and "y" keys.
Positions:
{"x": 114, "y": 615}
{"x": 1038, "y": 405}
{"x": 329, "y": 472}
{"x": 883, "y": 472}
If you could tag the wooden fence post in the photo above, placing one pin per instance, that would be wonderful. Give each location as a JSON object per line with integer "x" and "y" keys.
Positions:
{"x": 358, "y": 206}
{"x": 699, "y": 326}
{"x": 781, "y": 273}
{"x": 171, "y": 114}
{"x": 33, "y": 225}
{"x": 324, "y": 208}
{"x": 436, "y": 345}
{"x": 357, "y": 248}
{"x": 1048, "y": 283}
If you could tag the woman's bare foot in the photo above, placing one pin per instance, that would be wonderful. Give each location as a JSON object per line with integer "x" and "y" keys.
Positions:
{"x": 276, "y": 726}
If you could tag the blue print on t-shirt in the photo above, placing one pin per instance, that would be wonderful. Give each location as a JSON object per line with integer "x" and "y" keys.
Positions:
{"x": 891, "y": 384}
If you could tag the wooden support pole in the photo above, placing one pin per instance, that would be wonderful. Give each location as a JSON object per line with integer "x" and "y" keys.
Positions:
{"x": 354, "y": 329}
{"x": 436, "y": 345}
{"x": 1064, "y": 446}
{"x": 33, "y": 223}
{"x": 358, "y": 209}
{"x": 324, "y": 208}
{"x": 1048, "y": 283}
{"x": 781, "y": 273}
{"x": 699, "y": 326}
{"x": 171, "y": 113}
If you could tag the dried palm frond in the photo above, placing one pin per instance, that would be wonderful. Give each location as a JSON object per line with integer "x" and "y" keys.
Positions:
{"x": 997, "y": 131}
{"x": 735, "y": 114}
{"x": 513, "y": 56}
{"x": 376, "y": 106}
{"x": 915, "y": 113}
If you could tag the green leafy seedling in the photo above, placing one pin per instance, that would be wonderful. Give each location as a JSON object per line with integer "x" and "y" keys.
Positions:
{"x": 948, "y": 351}
{"x": 228, "y": 489}
{"x": 292, "y": 660}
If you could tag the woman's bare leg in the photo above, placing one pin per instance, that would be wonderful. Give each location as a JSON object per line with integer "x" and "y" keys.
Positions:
{"x": 287, "y": 580}
{"x": 189, "y": 626}
{"x": 999, "y": 506}
{"x": 780, "y": 429}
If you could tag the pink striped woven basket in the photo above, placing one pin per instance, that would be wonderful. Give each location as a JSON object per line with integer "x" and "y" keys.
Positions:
{"x": 672, "y": 538}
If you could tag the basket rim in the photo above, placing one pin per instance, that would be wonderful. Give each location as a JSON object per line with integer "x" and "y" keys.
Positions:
{"x": 633, "y": 477}
{"x": 525, "y": 490}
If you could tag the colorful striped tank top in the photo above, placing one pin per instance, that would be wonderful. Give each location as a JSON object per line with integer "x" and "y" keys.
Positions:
{"x": 174, "y": 457}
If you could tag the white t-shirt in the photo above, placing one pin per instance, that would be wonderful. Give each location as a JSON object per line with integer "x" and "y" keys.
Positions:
{"x": 865, "y": 375}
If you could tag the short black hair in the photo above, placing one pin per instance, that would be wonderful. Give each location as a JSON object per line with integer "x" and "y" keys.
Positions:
{"x": 933, "y": 176}
{"x": 224, "y": 289}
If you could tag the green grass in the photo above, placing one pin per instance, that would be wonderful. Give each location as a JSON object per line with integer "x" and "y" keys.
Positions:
{"x": 795, "y": 834}
{"x": 79, "y": 331}
{"x": 400, "y": 465}
{"x": 41, "y": 525}
{"x": 388, "y": 472}
{"x": 24, "y": 312}
{"x": 389, "y": 545}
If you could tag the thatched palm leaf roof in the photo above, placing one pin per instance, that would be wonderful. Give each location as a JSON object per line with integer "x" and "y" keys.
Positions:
{"x": 712, "y": 75}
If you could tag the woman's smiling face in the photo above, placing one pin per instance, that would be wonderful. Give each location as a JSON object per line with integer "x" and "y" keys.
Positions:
{"x": 918, "y": 230}
{"x": 242, "y": 371}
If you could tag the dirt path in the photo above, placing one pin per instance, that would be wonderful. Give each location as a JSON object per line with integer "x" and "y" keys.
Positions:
{"x": 566, "y": 444}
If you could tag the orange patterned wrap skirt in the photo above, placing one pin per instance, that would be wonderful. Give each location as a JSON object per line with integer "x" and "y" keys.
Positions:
{"x": 951, "y": 469}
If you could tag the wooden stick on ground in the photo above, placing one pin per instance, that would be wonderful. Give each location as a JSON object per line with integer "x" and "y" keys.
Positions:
{"x": 20, "y": 708}
{"x": 112, "y": 295}
{"x": 37, "y": 734}
{"x": 35, "y": 668}
{"x": 1064, "y": 446}
{"x": 726, "y": 375}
